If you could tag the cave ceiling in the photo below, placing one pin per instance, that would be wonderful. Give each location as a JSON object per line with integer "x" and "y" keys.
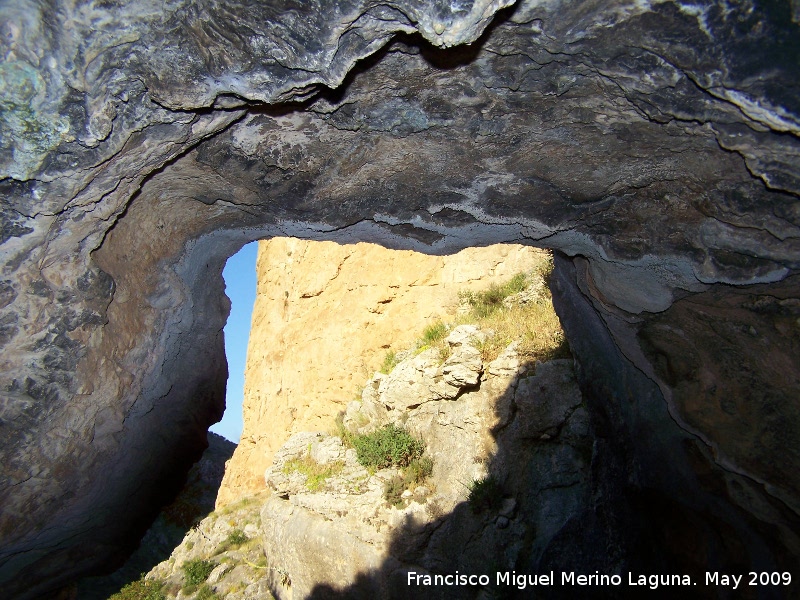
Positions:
{"x": 653, "y": 144}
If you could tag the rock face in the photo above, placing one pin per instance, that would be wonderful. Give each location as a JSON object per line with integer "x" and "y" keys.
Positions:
{"x": 324, "y": 318}
{"x": 327, "y": 526}
{"x": 522, "y": 427}
{"x": 654, "y": 144}
{"x": 194, "y": 502}
{"x": 228, "y": 540}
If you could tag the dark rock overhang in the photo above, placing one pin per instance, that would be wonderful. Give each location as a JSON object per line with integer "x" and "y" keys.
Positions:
{"x": 655, "y": 145}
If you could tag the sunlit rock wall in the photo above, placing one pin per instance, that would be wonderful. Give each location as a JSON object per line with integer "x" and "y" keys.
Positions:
{"x": 324, "y": 318}
{"x": 654, "y": 144}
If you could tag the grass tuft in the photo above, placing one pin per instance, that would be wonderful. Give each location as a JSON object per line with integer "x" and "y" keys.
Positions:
{"x": 235, "y": 539}
{"x": 390, "y": 361}
{"x": 206, "y": 593}
{"x": 434, "y": 333}
{"x": 142, "y": 589}
{"x": 535, "y": 326}
{"x": 316, "y": 474}
{"x": 393, "y": 446}
{"x": 393, "y": 490}
{"x": 340, "y": 431}
{"x": 195, "y": 572}
{"x": 485, "y": 303}
{"x": 417, "y": 471}
{"x": 485, "y": 494}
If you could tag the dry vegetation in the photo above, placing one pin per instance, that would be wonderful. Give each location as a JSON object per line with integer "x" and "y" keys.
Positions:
{"x": 316, "y": 473}
{"x": 533, "y": 324}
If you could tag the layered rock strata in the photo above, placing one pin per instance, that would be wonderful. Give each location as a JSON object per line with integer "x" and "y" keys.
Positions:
{"x": 654, "y": 144}
{"x": 325, "y": 317}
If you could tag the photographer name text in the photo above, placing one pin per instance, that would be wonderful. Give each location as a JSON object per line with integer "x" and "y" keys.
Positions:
{"x": 571, "y": 578}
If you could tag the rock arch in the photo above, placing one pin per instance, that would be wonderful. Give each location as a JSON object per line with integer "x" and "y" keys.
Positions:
{"x": 654, "y": 145}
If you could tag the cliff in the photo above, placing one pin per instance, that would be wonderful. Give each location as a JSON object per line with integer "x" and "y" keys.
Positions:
{"x": 324, "y": 319}
{"x": 654, "y": 146}
{"x": 471, "y": 454}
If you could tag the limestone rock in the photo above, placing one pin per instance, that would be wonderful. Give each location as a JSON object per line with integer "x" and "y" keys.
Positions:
{"x": 507, "y": 364}
{"x": 545, "y": 400}
{"x": 316, "y": 299}
{"x": 322, "y": 449}
{"x": 238, "y": 569}
{"x": 655, "y": 145}
{"x": 463, "y": 367}
{"x": 345, "y": 526}
{"x": 344, "y": 539}
{"x": 328, "y": 553}
{"x": 464, "y": 335}
{"x": 408, "y": 383}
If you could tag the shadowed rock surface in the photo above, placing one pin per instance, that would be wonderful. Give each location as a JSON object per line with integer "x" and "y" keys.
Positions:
{"x": 655, "y": 145}
{"x": 521, "y": 427}
{"x": 195, "y": 501}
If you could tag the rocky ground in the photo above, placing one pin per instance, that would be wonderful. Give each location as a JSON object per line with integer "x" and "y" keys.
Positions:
{"x": 225, "y": 551}
{"x": 195, "y": 501}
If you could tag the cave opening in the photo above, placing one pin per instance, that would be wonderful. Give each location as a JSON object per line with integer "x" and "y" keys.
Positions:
{"x": 653, "y": 145}
{"x": 328, "y": 316}
{"x": 240, "y": 287}
{"x": 680, "y": 523}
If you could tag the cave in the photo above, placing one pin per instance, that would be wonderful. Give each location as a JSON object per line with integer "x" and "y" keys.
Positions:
{"x": 653, "y": 146}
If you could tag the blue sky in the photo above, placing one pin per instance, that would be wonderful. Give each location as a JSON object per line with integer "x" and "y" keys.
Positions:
{"x": 240, "y": 286}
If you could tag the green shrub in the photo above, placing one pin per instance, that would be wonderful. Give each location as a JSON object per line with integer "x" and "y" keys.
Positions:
{"x": 433, "y": 334}
{"x": 393, "y": 446}
{"x": 237, "y": 537}
{"x": 419, "y": 469}
{"x": 393, "y": 490}
{"x": 197, "y": 571}
{"x": 140, "y": 590}
{"x": 485, "y": 494}
{"x": 390, "y": 446}
{"x": 390, "y": 361}
{"x": 206, "y": 593}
